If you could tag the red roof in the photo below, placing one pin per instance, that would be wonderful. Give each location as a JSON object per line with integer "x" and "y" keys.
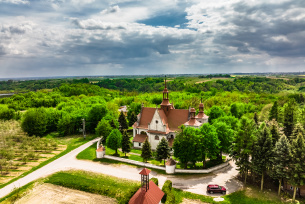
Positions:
{"x": 145, "y": 172}
{"x": 170, "y": 162}
{"x": 101, "y": 149}
{"x": 152, "y": 196}
{"x": 201, "y": 115}
{"x": 192, "y": 122}
{"x": 140, "y": 138}
{"x": 173, "y": 120}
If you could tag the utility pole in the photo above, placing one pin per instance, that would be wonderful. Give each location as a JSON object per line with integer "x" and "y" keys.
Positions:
{"x": 84, "y": 127}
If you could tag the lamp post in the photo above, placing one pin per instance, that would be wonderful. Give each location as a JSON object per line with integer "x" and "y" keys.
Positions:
{"x": 84, "y": 127}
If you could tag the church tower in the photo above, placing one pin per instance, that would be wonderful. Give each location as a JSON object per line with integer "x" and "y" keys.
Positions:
{"x": 166, "y": 105}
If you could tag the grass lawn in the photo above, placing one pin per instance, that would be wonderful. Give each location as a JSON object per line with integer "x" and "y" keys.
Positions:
{"x": 89, "y": 154}
{"x": 72, "y": 142}
{"x": 113, "y": 187}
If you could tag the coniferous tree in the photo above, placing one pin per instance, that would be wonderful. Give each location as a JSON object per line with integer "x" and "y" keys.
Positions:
{"x": 146, "y": 151}
{"x": 123, "y": 122}
{"x": 274, "y": 130}
{"x": 274, "y": 112}
{"x": 114, "y": 140}
{"x": 132, "y": 119}
{"x": 298, "y": 128}
{"x": 281, "y": 160}
{"x": 126, "y": 145}
{"x": 163, "y": 150}
{"x": 255, "y": 118}
{"x": 262, "y": 152}
{"x": 297, "y": 176}
{"x": 289, "y": 118}
{"x": 243, "y": 145}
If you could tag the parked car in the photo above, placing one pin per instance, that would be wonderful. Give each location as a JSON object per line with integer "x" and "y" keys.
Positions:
{"x": 214, "y": 188}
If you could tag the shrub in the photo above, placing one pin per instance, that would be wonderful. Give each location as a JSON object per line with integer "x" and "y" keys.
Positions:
{"x": 7, "y": 113}
{"x": 155, "y": 180}
{"x": 167, "y": 189}
{"x": 170, "y": 198}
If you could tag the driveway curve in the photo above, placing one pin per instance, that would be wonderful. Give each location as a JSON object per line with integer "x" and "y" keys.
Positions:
{"x": 192, "y": 183}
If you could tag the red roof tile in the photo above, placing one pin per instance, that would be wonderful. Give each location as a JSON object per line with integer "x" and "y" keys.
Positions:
{"x": 145, "y": 172}
{"x": 146, "y": 117}
{"x": 152, "y": 196}
{"x": 201, "y": 115}
{"x": 170, "y": 162}
{"x": 157, "y": 132}
{"x": 101, "y": 149}
{"x": 177, "y": 117}
{"x": 140, "y": 138}
{"x": 193, "y": 122}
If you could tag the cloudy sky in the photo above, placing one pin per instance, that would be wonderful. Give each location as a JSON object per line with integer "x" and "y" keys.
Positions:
{"x": 105, "y": 37}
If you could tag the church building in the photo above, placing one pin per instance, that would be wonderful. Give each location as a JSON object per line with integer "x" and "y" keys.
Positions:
{"x": 155, "y": 123}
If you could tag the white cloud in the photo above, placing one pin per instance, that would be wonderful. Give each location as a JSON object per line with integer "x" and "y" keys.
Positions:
{"x": 15, "y": 1}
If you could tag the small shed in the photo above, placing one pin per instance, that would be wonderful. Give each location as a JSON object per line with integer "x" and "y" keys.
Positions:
{"x": 170, "y": 166}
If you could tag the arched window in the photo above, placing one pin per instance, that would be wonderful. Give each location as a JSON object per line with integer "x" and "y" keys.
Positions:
{"x": 156, "y": 137}
{"x": 157, "y": 122}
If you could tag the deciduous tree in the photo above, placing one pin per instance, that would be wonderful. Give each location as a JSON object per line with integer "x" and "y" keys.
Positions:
{"x": 114, "y": 140}
{"x": 273, "y": 114}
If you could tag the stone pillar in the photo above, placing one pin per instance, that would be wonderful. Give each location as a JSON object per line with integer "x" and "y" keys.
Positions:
{"x": 170, "y": 166}
{"x": 100, "y": 152}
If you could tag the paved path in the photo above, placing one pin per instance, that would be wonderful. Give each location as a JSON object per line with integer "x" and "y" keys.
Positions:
{"x": 193, "y": 183}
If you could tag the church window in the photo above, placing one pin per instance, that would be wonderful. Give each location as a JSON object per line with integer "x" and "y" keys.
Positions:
{"x": 139, "y": 144}
{"x": 156, "y": 137}
{"x": 157, "y": 122}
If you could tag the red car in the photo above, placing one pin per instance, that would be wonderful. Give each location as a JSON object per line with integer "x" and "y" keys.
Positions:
{"x": 213, "y": 188}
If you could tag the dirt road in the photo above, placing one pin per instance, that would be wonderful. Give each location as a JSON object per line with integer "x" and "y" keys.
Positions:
{"x": 194, "y": 183}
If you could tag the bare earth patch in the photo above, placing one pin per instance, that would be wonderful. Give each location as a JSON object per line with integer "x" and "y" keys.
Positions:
{"x": 51, "y": 194}
{"x": 190, "y": 201}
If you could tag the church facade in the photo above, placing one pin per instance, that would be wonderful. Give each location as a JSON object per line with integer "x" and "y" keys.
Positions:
{"x": 155, "y": 123}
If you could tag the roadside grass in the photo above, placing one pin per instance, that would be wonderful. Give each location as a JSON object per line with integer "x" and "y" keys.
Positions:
{"x": 251, "y": 195}
{"x": 72, "y": 143}
{"x": 17, "y": 193}
{"x": 120, "y": 189}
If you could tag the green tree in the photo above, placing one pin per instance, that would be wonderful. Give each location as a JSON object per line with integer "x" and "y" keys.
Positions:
{"x": 225, "y": 135}
{"x": 114, "y": 140}
{"x": 208, "y": 143}
{"x": 163, "y": 150}
{"x": 146, "y": 151}
{"x": 281, "y": 160}
{"x": 231, "y": 121}
{"x": 275, "y": 131}
{"x": 255, "y": 118}
{"x": 132, "y": 119}
{"x": 214, "y": 113}
{"x": 289, "y": 118}
{"x": 297, "y": 176}
{"x": 185, "y": 145}
{"x": 123, "y": 122}
{"x": 298, "y": 128}
{"x": 35, "y": 121}
{"x": 242, "y": 146}
{"x": 263, "y": 152}
{"x": 126, "y": 145}
{"x": 273, "y": 114}
{"x": 103, "y": 129}
{"x": 95, "y": 114}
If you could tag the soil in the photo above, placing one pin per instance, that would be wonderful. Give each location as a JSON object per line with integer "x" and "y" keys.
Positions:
{"x": 189, "y": 201}
{"x": 51, "y": 194}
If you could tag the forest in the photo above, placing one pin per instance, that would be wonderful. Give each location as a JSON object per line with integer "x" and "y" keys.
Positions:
{"x": 256, "y": 120}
